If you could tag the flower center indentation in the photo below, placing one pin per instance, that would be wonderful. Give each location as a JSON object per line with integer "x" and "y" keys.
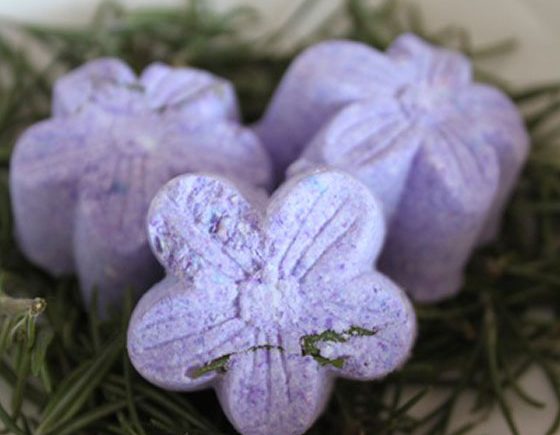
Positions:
{"x": 422, "y": 102}
{"x": 129, "y": 140}
{"x": 269, "y": 302}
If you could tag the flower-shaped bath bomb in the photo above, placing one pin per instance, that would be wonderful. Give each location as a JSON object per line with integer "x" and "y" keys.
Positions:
{"x": 268, "y": 304}
{"x": 82, "y": 181}
{"x": 442, "y": 153}
{"x": 428, "y": 86}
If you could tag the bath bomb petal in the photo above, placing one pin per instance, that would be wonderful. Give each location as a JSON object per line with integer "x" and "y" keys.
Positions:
{"x": 178, "y": 329}
{"x": 376, "y": 325}
{"x": 83, "y": 180}
{"x": 267, "y": 392}
{"x": 46, "y": 167}
{"x": 291, "y": 272}
{"x": 321, "y": 222}
{"x": 321, "y": 80}
{"x": 442, "y": 212}
{"x": 194, "y": 93}
{"x": 372, "y": 140}
{"x": 347, "y": 217}
{"x": 100, "y": 80}
{"x": 107, "y": 271}
{"x": 243, "y": 159}
{"x": 433, "y": 65}
{"x": 501, "y": 126}
{"x": 110, "y": 243}
{"x": 199, "y": 224}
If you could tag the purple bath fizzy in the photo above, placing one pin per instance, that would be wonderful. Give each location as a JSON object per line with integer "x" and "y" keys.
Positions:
{"x": 268, "y": 302}
{"x": 442, "y": 153}
{"x": 82, "y": 181}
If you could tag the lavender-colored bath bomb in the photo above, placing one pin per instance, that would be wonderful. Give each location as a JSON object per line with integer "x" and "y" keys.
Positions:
{"x": 268, "y": 303}
{"x": 425, "y": 81}
{"x": 442, "y": 153}
{"x": 82, "y": 181}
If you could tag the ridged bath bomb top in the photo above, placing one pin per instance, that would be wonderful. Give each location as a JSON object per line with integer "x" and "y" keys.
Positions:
{"x": 82, "y": 181}
{"x": 268, "y": 303}
{"x": 441, "y": 153}
{"x": 422, "y": 78}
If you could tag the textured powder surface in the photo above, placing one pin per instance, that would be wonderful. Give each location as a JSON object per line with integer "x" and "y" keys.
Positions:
{"x": 268, "y": 303}
{"x": 82, "y": 181}
{"x": 442, "y": 153}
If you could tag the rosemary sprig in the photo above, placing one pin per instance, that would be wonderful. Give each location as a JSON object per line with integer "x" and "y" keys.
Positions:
{"x": 73, "y": 368}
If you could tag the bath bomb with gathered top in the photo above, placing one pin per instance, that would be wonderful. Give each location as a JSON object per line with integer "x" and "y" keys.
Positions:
{"x": 82, "y": 181}
{"x": 268, "y": 302}
{"x": 441, "y": 152}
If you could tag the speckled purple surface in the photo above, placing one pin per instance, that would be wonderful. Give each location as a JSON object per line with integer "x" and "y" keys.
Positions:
{"x": 441, "y": 152}
{"x": 264, "y": 288}
{"x": 81, "y": 181}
